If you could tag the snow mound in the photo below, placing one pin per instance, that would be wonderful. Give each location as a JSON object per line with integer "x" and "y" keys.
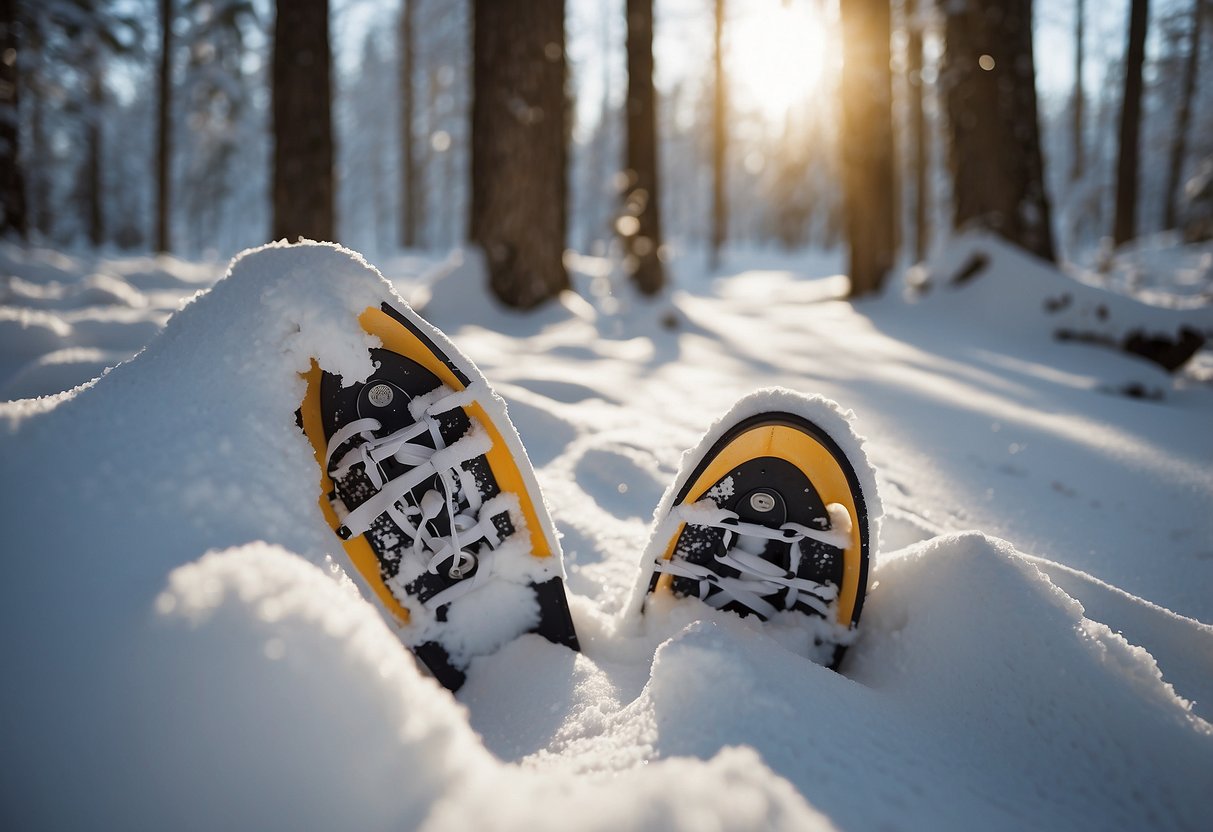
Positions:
{"x": 979, "y": 278}
{"x": 60, "y": 369}
{"x": 94, "y": 290}
{"x": 258, "y": 692}
{"x": 173, "y": 685}
{"x": 978, "y": 695}
{"x": 975, "y": 682}
{"x": 984, "y": 652}
{"x": 182, "y": 649}
{"x": 65, "y": 319}
{"x": 192, "y": 445}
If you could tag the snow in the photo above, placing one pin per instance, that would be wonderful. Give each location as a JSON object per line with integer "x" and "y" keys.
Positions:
{"x": 1044, "y": 301}
{"x": 184, "y": 648}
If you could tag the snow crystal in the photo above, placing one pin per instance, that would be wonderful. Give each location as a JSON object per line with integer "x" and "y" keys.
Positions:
{"x": 722, "y": 490}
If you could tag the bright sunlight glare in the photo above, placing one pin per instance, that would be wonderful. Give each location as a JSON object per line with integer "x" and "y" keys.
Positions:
{"x": 777, "y": 56}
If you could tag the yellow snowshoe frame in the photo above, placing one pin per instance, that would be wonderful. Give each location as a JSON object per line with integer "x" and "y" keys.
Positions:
{"x": 400, "y": 339}
{"x": 822, "y": 469}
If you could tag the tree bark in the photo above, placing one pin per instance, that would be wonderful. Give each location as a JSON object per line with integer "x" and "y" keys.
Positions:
{"x": 302, "y": 122}
{"x": 93, "y": 178}
{"x": 38, "y": 184}
{"x": 988, "y": 80}
{"x": 163, "y": 135}
{"x": 13, "y": 217}
{"x": 1183, "y": 116}
{"x": 519, "y": 179}
{"x": 1078, "y": 155}
{"x": 869, "y": 197}
{"x": 408, "y": 162}
{"x": 918, "y": 132}
{"x": 640, "y": 223}
{"x": 720, "y": 216}
{"x": 1124, "y": 226}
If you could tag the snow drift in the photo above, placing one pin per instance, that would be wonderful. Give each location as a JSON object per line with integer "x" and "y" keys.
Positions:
{"x": 979, "y": 277}
{"x": 182, "y": 648}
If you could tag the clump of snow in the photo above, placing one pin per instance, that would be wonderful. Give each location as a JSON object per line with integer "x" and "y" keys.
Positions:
{"x": 733, "y": 790}
{"x": 259, "y": 692}
{"x": 255, "y": 649}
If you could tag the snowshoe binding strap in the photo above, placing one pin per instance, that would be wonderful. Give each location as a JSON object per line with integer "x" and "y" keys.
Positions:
{"x": 757, "y": 579}
{"x": 467, "y": 519}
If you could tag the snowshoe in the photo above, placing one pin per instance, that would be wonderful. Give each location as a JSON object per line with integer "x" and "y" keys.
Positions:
{"x": 426, "y": 482}
{"x": 772, "y": 516}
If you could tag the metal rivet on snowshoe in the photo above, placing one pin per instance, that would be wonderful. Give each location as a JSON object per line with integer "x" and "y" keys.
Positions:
{"x": 458, "y": 570}
{"x": 761, "y": 501}
{"x": 380, "y": 395}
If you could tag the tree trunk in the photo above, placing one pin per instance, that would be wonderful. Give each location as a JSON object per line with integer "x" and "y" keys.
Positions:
{"x": 918, "y": 132}
{"x": 427, "y": 180}
{"x": 13, "y": 219}
{"x": 869, "y": 200}
{"x": 1078, "y": 160}
{"x": 163, "y": 136}
{"x": 302, "y": 122}
{"x": 640, "y": 223}
{"x": 1179, "y": 139}
{"x": 988, "y": 81}
{"x": 408, "y": 162}
{"x": 519, "y": 178}
{"x": 39, "y": 184}
{"x": 720, "y": 216}
{"x": 1124, "y": 226}
{"x": 93, "y": 184}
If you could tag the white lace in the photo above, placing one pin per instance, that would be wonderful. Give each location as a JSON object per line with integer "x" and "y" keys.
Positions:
{"x": 758, "y": 578}
{"x": 467, "y": 527}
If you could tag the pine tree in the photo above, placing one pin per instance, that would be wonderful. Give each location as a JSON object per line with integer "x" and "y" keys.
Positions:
{"x": 640, "y": 223}
{"x": 302, "y": 122}
{"x": 13, "y": 218}
{"x": 408, "y": 161}
{"x": 65, "y": 54}
{"x": 216, "y": 100}
{"x": 920, "y": 152}
{"x": 988, "y": 80}
{"x": 92, "y": 183}
{"x": 1183, "y": 117}
{"x": 720, "y": 211}
{"x": 867, "y": 143}
{"x": 519, "y": 136}
{"x": 1124, "y": 225}
{"x": 1078, "y": 106}
{"x": 164, "y": 90}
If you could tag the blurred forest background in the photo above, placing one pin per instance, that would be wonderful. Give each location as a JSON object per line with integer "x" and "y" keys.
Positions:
{"x": 626, "y": 128}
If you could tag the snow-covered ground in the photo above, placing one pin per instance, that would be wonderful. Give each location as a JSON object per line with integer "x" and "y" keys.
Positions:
{"x": 180, "y": 649}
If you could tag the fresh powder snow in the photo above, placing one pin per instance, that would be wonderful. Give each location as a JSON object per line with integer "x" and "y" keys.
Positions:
{"x": 185, "y": 647}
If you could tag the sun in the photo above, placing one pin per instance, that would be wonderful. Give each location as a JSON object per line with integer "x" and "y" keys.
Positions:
{"x": 778, "y": 55}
